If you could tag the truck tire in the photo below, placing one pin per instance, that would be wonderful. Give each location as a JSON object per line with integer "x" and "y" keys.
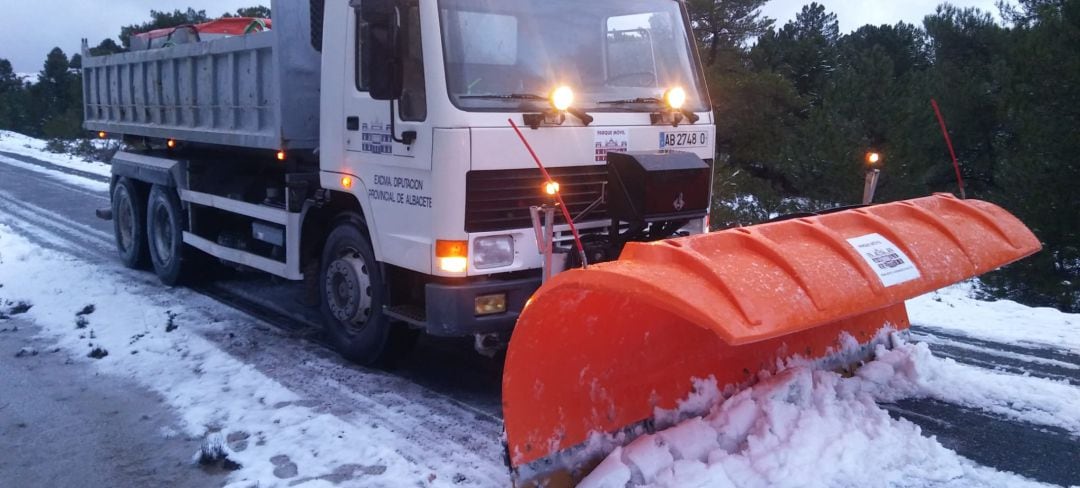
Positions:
{"x": 165, "y": 224}
{"x": 353, "y": 291}
{"x": 129, "y": 224}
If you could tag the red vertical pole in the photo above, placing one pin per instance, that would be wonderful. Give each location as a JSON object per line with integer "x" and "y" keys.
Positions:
{"x": 558, "y": 196}
{"x": 948, "y": 142}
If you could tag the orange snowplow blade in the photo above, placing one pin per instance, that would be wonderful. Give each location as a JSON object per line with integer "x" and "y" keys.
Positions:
{"x": 598, "y": 350}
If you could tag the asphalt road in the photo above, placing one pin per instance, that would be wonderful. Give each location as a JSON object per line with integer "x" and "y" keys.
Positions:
{"x": 100, "y": 430}
{"x": 30, "y": 201}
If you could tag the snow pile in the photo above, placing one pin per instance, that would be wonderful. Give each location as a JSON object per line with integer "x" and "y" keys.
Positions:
{"x": 13, "y": 142}
{"x": 1005, "y": 321}
{"x": 807, "y": 427}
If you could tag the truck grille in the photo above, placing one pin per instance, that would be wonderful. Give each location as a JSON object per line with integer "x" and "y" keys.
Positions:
{"x": 500, "y": 199}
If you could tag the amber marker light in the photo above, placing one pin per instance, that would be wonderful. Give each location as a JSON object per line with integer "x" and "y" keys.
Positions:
{"x": 452, "y": 256}
{"x": 171, "y": 143}
{"x": 551, "y": 188}
{"x": 562, "y": 98}
{"x": 873, "y": 158}
{"x": 281, "y": 155}
{"x": 675, "y": 97}
{"x": 102, "y": 135}
{"x": 346, "y": 182}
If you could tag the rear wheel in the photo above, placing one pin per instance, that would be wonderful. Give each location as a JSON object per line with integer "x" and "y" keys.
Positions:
{"x": 165, "y": 222}
{"x": 129, "y": 224}
{"x": 353, "y": 292}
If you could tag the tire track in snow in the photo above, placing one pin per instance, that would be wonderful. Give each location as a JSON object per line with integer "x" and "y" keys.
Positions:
{"x": 1046, "y": 454}
{"x": 1036, "y": 350}
{"x": 1002, "y": 357}
{"x": 56, "y": 167}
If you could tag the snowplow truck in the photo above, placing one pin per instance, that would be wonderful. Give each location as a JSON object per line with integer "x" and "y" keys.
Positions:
{"x": 371, "y": 151}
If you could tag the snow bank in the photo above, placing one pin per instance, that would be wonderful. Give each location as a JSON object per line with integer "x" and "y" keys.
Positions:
{"x": 13, "y": 142}
{"x": 807, "y": 427}
{"x": 268, "y": 428}
{"x": 952, "y": 309}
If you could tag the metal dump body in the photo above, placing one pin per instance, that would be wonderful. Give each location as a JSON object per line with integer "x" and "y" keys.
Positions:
{"x": 259, "y": 90}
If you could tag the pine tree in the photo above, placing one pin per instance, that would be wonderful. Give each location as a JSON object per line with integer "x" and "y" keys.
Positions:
{"x": 726, "y": 25}
{"x": 13, "y": 98}
{"x": 258, "y": 12}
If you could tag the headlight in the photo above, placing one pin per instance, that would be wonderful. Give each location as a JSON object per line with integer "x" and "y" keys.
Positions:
{"x": 562, "y": 98}
{"x": 493, "y": 252}
{"x": 675, "y": 98}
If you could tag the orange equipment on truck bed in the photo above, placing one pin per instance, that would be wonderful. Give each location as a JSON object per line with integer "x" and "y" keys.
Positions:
{"x": 597, "y": 351}
{"x": 185, "y": 34}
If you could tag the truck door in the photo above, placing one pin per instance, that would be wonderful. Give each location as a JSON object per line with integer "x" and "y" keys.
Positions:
{"x": 393, "y": 160}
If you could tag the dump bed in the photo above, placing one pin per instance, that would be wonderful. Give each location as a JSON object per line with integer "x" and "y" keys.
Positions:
{"x": 259, "y": 90}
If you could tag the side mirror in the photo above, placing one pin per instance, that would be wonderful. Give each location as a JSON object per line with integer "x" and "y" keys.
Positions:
{"x": 380, "y": 44}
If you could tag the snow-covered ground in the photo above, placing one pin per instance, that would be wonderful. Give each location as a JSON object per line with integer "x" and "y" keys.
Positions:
{"x": 70, "y": 179}
{"x": 13, "y": 142}
{"x": 28, "y": 77}
{"x": 952, "y": 309}
{"x": 259, "y": 423}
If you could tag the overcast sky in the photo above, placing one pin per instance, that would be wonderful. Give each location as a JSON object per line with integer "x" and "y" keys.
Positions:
{"x": 30, "y": 28}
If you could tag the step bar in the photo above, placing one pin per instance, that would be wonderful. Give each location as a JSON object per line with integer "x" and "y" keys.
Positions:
{"x": 289, "y": 269}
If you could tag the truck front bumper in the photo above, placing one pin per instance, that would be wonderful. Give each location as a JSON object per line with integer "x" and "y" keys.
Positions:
{"x": 451, "y": 309}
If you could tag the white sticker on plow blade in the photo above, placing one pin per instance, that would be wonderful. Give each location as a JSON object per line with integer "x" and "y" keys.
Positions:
{"x": 886, "y": 259}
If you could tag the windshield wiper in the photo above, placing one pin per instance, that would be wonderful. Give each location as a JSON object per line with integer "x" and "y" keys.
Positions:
{"x": 534, "y": 120}
{"x": 632, "y": 100}
{"x": 507, "y": 96}
{"x": 658, "y": 117}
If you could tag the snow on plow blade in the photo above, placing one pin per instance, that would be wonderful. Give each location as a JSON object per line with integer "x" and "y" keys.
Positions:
{"x": 599, "y": 350}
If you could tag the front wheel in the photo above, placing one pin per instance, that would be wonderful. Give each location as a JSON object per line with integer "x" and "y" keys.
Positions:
{"x": 353, "y": 292}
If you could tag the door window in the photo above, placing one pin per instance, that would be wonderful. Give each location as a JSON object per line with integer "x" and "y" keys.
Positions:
{"x": 413, "y": 104}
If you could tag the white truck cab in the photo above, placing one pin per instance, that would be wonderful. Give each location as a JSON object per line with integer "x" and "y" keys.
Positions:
{"x": 412, "y": 204}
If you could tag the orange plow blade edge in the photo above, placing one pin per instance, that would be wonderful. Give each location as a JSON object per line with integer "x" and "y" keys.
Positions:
{"x": 597, "y": 351}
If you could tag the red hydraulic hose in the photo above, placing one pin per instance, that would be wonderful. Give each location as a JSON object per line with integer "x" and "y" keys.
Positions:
{"x": 948, "y": 142}
{"x": 558, "y": 195}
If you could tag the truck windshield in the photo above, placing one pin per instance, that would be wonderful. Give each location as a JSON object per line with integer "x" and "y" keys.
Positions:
{"x": 504, "y": 55}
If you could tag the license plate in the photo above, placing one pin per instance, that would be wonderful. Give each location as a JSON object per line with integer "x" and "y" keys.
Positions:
{"x": 684, "y": 139}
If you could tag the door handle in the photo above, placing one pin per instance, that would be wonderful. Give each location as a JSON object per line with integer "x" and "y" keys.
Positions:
{"x": 352, "y": 123}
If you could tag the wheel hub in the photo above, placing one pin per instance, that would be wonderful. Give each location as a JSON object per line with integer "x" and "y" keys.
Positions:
{"x": 163, "y": 235}
{"x": 348, "y": 290}
{"x": 125, "y": 219}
